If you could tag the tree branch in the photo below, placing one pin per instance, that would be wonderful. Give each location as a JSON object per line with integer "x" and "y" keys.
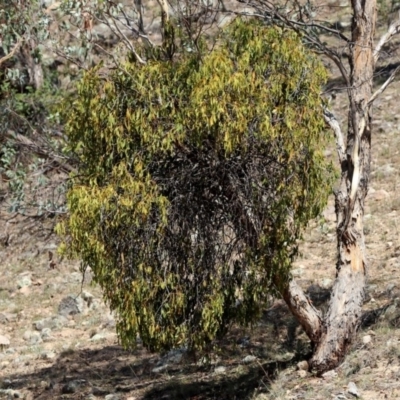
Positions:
{"x": 331, "y": 120}
{"x": 11, "y": 53}
{"x": 302, "y": 308}
{"x": 393, "y": 30}
{"x": 383, "y": 87}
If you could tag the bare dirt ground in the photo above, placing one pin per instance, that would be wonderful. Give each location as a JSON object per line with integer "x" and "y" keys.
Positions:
{"x": 58, "y": 341}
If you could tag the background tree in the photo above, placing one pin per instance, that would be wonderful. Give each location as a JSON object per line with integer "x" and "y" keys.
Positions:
{"x": 356, "y": 58}
{"x": 198, "y": 171}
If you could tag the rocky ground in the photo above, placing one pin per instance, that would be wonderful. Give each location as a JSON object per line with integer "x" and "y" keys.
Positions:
{"x": 58, "y": 340}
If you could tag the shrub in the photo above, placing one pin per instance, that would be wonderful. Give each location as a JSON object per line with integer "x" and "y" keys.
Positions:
{"x": 197, "y": 175}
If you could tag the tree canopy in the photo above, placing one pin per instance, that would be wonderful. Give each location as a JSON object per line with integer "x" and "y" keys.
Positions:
{"x": 197, "y": 175}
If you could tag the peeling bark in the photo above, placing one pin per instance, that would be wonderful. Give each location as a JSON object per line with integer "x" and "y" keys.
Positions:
{"x": 343, "y": 317}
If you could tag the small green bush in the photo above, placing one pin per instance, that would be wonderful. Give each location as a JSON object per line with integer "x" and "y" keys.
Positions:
{"x": 197, "y": 175}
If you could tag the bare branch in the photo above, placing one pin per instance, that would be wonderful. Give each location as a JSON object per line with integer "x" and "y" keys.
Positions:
{"x": 129, "y": 44}
{"x": 383, "y": 87}
{"x": 164, "y": 10}
{"x": 11, "y": 53}
{"x": 393, "y": 30}
{"x": 39, "y": 150}
{"x": 331, "y": 120}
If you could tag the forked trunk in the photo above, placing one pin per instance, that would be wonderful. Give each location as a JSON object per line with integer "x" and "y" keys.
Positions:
{"x": 332, "y": 336}
{"x": 343, "y": 317}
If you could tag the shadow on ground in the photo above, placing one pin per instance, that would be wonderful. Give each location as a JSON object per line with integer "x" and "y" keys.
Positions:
{"x": 94, "y": 373}
{"x": 79, "y": 374}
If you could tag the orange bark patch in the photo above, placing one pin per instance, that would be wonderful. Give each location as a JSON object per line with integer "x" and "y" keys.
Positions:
{"x": 356, "y": 258}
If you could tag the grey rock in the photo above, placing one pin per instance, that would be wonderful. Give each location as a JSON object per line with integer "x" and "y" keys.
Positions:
{"x": 220, "y": 370}
{"x": 301, "y": 373}
{"x": 8, "y": 317}
{"x": 35, "y": 338}
{"x": 72, "y": 386}
{"x": 302, "y": 366}
{"x": 40, "y": 325}
{"x": 340, "y": 396}
{"x": 89, "y": 300}
{"x": 22, "y": 360}
{"x": 159, "y": 370}
{"x": 32, "y": 337}
{"x": 174, "y": 356}
{"x": 48, "y": 355}
{"x": 244, "y": 342}
{"x": 366, "y": 339}
{"x": 4, "y": 364}
{"x": 390, "y": 287}
{"x": 70, "y": 305}
{"x": 249, "y": 359}
{"x": 25, "y": 281}
{"x": 11, "y": 394}
{"x": 352, "y": 389}
{"x": 113, "y": 396}
{"x": 46, "y": 335}
{"x": 329, "y": 375}
{"x": 27, "y": 335}
{"x": 56, "y": 322}
{"x": 10, "y": 350}
{"x": 327, "y": 283}
{"x": 98, "y": 337}
{"x": 4, "y": 341}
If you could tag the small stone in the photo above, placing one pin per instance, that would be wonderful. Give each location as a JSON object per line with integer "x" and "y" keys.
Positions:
{"x": 329, "y": 375}
{"x": 88, "y": 297}
{"x": 48, "y": 355}
{"x": 27, "y": 335}
{"x": 115, "y": 396}
{"x": 70, "y": 387}
{"x": 35, "y": 338}
{"x": 301, "y": 373}
{"x": 390, "y": 287}
{"x": 10, "y": 350}
{"x": 70, "y": 305}
{"x": 327, "y": 283}
{"x": 302, "y": 366}
{"x": 366, "y": 339}
{"x": 160, "y": 369}
{"x": 297, "y": 272}
{"x": 353, "y": 390}
{"x": 46, "y": 334}
{"x": 340, "y": 396}
{"x": 4, "y": 341}
{"x": 8, "y": 317}
{"x": 249, "y": 359}
{"x": 40, "y": 325}
{"x": 174, "y": 356}
{"x": 220, "y": 370}
{"x": 98, "y": 337}
{"x": 24, "y": 282}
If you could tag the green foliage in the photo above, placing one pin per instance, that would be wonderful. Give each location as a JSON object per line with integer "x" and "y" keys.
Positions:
{"x": 196, "y": 178}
